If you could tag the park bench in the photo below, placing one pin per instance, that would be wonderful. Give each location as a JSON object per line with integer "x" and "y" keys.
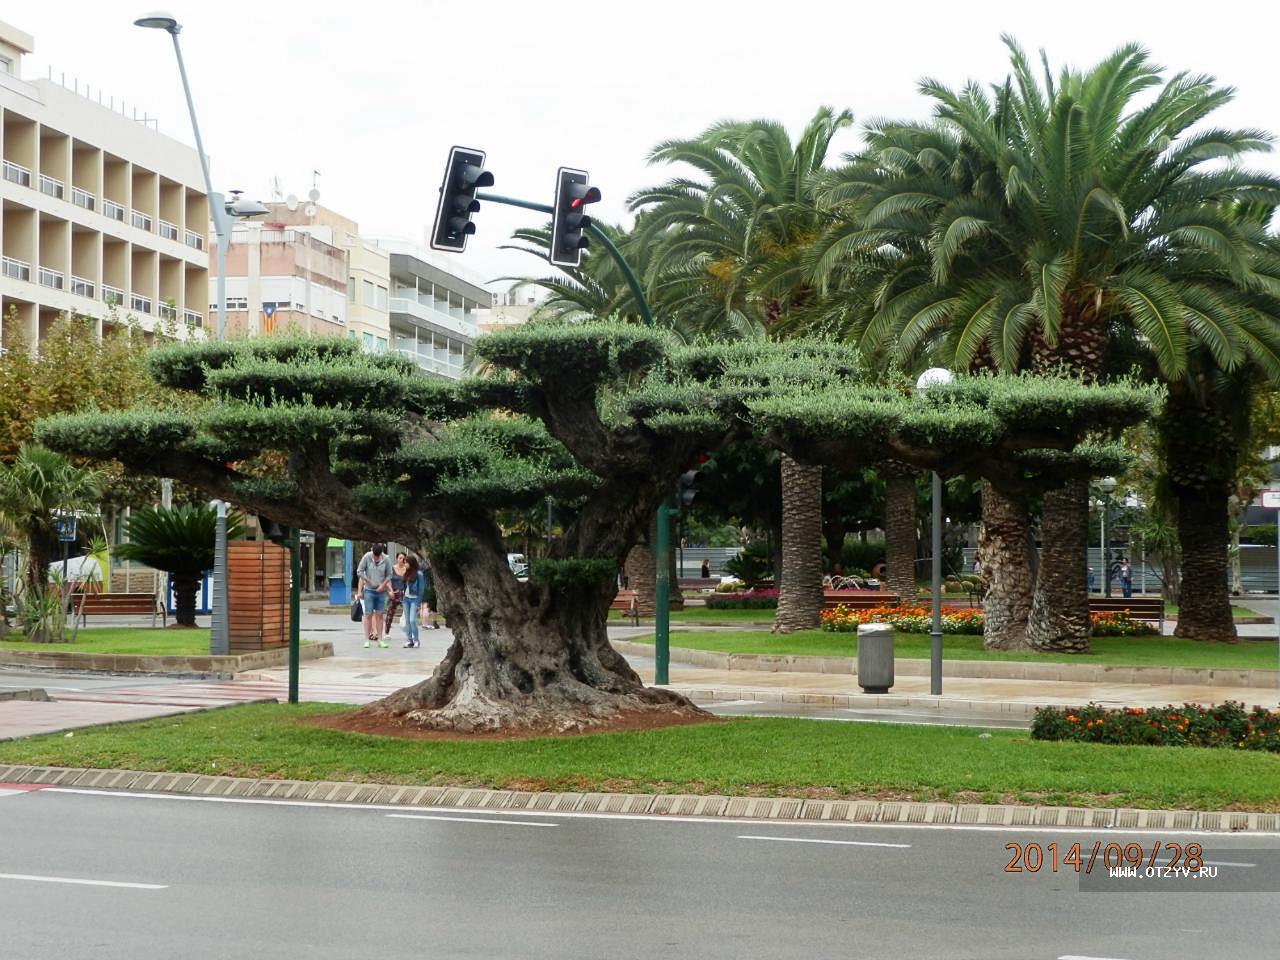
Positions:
{"x": 627, "y": 602}
{"x": 858, "y": 599}
{"x": 118, "y": 604}
{"x": 699, "y": 583}
{"x": 1149, "y": 609}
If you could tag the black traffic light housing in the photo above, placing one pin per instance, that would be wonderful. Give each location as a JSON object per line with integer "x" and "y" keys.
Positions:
{"x": 687, "y": 488}
{"x": 463, "y": 176}
{"x": 569, "y": 220}
{"x": 273, "y": 531}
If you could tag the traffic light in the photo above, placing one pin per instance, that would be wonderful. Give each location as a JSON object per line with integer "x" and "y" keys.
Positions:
{"x": 569, "y": 221}
{"x": 687, "y": 488}
{"x": 463, "y": 176}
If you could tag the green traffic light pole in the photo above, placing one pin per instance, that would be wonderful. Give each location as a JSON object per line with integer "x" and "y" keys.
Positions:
{"x": 662, "y": 544}
{"x": 295, "y": 575}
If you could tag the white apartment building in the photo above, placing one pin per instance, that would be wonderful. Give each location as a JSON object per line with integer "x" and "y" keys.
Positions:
{"x": 102, "y": 216}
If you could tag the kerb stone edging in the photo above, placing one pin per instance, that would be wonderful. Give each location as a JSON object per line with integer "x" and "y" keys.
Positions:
{"x": 220, "y": 667}
{"x": 683, "y": 805}
{"x": 971, "y": 669}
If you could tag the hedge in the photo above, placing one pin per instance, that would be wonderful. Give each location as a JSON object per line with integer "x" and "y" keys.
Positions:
{"x": 1191, "y": 725}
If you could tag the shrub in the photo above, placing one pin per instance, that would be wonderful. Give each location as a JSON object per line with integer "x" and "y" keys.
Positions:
{"x": 752, "y": 565}
{"x": 1191, "y": 725}
{"x": 750, "y": 600}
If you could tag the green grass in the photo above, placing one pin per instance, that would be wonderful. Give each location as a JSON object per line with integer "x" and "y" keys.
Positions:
{"x": 703, "y": 615}
{"x": 743, "y": 756}
{"x": 1130, "y": 651}
{"x": 157, "y": 642}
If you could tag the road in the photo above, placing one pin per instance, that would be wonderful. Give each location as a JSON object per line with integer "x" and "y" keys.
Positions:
{"x": 135, "y": 878}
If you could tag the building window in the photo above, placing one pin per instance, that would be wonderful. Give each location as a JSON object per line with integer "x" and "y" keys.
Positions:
{"x": 380, "y": 299}
{"x": 368, "y": 341}
{"x": 6, "y": 65}
{"x": 368, "y": 298}
{"x": 351, "y": 289}
{"x": 382, "y": 344}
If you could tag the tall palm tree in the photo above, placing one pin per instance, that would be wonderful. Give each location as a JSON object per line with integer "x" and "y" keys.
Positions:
{"x": 726, "y": 253}
{"x": 1056, "y": 215}
{"x": 37, "y": 487}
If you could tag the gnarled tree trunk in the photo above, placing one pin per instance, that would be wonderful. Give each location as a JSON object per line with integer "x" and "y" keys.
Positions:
{"x": 1059, "y": 618}
{"x": 800, "y": 592}
{"x": 1005, "y": 549}
{"x": 900, "y": 536}
{"x": 525, "y": 658}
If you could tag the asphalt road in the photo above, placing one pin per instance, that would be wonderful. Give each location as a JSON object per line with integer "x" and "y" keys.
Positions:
{"x": 132, "y": 877}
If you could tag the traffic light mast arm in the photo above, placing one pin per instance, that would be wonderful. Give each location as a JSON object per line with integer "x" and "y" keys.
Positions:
{"x": 632, "y": 280}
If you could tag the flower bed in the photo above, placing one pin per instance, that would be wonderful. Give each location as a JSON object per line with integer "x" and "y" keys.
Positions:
{"x": 910, "y": 618}
{"x": 750, "y": 600}
{"x": 1224, "y": 725}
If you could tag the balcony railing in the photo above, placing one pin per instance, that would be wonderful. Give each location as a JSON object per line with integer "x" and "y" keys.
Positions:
{"x": 140, "y": 220}
{"x": 83, "y": 198}
{"x": 52, "y": 187}
{"x": 139, "y": 303}
{"x": 16, "y": 269}
{"x": 194, "y": 240}
{"x": 193, "y": 317}
{"x": 55, "y": 279}
{"x": 168, "y": 230}
{"x": 112, "y": 296}
{"x": 113, "y": 210}
{"x": 17, "y": 173}
{"x": 167, "y": 311}
{"x": 82, "y": 287}
{"x": 438, "y": 318}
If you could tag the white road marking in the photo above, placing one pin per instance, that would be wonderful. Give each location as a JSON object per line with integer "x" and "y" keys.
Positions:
{"x": 1078, "y": 956}
{"x": 846, "y": 843}
{"x": 671, "y": 818}
{"x": 1227, "y": 863}
{"x": 504, "y": 823}
{"x": 87, "y": 883}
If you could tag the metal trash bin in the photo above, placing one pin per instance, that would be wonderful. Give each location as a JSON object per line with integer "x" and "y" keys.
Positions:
{"x": 875, "y": 657}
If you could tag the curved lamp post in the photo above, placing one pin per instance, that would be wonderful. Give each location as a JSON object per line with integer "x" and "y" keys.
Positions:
{"x": 933, "y": 377}
{"x": 1108, "y": 486}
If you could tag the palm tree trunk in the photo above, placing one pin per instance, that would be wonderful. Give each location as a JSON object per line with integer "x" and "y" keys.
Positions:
{"x": 1204, "y": 610}
{"x": 1059, "y": 618}
{"x": 641, "y": 574}
{"x": 185, "y": 589}
{"x": 900, "y": 536}
{"x": 1007, "y": 569}
{"x": 834, "y": 533}
{"x": 800, "y": 593}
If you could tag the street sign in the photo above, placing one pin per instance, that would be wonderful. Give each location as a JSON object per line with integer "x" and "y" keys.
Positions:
{"x": 1271, "y": 499}
{"x": 65, "y": 528}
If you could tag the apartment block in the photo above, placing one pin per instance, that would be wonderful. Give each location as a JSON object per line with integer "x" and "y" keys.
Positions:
{"x": 433, "y": 308}
{"x": 100, "y": 214}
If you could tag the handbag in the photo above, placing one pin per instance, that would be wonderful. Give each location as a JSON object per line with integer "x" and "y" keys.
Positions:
{"x": 357, "y": 610}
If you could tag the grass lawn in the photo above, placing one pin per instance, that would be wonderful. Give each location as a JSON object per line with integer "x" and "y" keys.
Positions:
{"x": 1131, "y": 651}
{"x": 137, "y": 640}
{"x": 743, "y": 756}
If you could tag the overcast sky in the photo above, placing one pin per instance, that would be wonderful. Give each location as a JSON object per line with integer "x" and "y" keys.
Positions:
{"x": 372, "y": 94}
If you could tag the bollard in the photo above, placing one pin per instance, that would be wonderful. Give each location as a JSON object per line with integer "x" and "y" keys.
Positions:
{"x": 875, "y": 657}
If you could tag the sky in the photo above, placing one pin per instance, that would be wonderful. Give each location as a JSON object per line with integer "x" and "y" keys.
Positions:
{"x": 373, "y": 94}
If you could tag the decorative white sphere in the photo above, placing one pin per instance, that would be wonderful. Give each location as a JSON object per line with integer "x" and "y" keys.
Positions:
{"x": 933, "y": 377}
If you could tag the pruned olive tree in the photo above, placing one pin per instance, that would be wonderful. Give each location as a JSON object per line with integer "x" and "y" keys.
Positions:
{"x": 1022, "y": 434}
{"x": 314, "y": 433}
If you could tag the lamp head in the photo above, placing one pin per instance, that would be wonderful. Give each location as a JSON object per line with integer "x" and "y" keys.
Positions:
{"x": 933, "y": 377}
{"x": 159, "y": 20}
{"x": 242, "y": 209}
{"x": 1107, "y": 485}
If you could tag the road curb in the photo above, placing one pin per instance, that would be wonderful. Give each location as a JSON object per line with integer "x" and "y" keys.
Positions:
{"x": 203, "y": 667}
{"x": 682, "y": 805}
{"x": 967, "y": 669}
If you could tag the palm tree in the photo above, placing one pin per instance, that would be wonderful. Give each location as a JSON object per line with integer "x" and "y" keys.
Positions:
{"x": 726, "y": 256}
{"x": 35, "y": 489}
{"x": 179, "y": 541}
{"x": 1055, "y": 216}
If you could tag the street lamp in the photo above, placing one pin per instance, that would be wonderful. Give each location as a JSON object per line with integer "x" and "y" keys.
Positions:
{"x": 933, "y": 377}
{"x": 222, "y": 212}
{"x": 1108, "y": 486}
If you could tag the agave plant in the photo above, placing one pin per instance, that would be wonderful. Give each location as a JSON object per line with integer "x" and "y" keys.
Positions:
{"x": 179, "y": 541}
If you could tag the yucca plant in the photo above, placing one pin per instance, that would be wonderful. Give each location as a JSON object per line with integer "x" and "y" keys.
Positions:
{"x": 179, "y": 541}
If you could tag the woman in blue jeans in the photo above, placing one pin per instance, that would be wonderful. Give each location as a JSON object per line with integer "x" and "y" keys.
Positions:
{"x": 414, "y": 587}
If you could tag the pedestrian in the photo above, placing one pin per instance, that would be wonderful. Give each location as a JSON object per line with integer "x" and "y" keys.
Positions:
{"x": 374, "y": 580}
{"x": 395, "y": 594}
{"x": 1126, "y": 578}
{"x": 1092, "y": 578}
{"x": 706, "y": 569}
{"x": 415, "y": 585}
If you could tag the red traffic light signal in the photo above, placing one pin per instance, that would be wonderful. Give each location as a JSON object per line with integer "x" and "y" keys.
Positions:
{"x": 568, "y": 223}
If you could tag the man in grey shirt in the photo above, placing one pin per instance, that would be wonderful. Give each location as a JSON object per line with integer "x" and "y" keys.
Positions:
{"x": 374, "y": 573}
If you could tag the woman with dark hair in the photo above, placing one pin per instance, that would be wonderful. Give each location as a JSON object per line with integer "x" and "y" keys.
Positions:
{"x": 414, "y": 589}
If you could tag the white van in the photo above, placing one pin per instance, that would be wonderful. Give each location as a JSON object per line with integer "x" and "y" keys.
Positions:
{"x": 519, "y": 566}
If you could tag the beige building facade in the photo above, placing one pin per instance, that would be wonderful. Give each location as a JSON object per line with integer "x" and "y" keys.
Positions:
{"x": 100, "y": 214}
